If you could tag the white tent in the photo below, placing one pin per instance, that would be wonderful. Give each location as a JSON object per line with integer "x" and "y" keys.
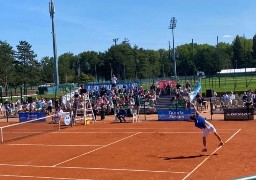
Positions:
{"x": 235, "y": 71}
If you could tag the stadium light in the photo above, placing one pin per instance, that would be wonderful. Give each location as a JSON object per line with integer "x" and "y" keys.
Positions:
{"x": 56, "y": 71}
{"x": 115, "y": 40}
{"x": 172, "y": 27}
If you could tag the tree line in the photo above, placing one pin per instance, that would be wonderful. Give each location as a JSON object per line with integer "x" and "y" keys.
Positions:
{"x": 21, "y": 67}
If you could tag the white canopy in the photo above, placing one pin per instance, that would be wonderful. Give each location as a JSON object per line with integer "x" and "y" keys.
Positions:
{"x": 241, "y": 70}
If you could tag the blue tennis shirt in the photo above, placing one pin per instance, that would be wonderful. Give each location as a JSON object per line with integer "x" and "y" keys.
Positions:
{"x": 200, "y": 121}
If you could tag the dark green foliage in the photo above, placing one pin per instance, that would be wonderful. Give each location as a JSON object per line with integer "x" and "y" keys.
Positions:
{"x": 126, "y": 62}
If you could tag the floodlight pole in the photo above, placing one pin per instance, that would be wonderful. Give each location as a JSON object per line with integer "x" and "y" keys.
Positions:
{"x": 218, "y": 53}
{"x": 56, "y": 71}
{"x": 193, "y": 61}
{"x": 172, "y": 27}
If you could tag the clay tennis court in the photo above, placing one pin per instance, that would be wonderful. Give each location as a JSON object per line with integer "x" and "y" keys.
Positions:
{"x": 148, "y": 149}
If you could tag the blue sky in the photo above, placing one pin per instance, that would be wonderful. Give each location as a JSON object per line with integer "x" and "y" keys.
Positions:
{"x": 91, "y": 25}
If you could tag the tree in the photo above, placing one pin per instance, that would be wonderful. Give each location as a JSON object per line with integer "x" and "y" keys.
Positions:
{"x": 67, "y": 67}
{"x": 225, "y": 56}
{"x": 120, "y": 60}
{"x": 153, "y": 65}
{"x": 7, "y": 72}
{"x": 123, "y": 61}
{"x": 238, "y": 53}
{"x": 47, "y": 70}
{"x": 185, "y": 64}
{"x": 205, "y": 58}
{"x": 26, "y": 65}
{"x": 90, "y": 63}
{"x": 247, "y": 52}
{"x": 254, "y": 47}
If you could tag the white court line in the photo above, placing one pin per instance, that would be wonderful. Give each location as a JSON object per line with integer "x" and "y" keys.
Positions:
{"x": 131, "y": 170}
{"x": 233, "y": 135}
{"x": 132, "y": 132}
{"x": 154, "y": 128}
{"x": 51, "y": 145}
{"x": 95, "y": 149}
{"x": 210, "y": 155}
{"x": 39, "y": 177}
{"x": 70, "y": 145}
{"x": 93, "y": 132}
{"x": 247, "y": 178}
{"x": 90, "y": 168}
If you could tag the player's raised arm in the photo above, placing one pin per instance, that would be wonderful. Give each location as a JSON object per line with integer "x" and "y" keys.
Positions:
{"x": 193, "y": 105}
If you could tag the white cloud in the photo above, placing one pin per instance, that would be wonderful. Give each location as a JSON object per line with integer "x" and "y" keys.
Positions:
{"x": 227, "y": 36}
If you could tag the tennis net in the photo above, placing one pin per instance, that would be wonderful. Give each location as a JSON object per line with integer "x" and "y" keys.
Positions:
{"x": 26, "y": 129}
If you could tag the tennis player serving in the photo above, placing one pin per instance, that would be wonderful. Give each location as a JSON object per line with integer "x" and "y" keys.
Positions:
{"x": 206, "y": 127}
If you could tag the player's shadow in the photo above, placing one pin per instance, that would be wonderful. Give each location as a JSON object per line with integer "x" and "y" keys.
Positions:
{"x": 185, "y": 157}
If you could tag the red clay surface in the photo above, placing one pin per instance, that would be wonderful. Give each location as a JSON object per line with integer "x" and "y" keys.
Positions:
{"x": 148, "y": 149}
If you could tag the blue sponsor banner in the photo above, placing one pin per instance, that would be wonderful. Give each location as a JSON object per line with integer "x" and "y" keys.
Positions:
{"x": 175, "y": 115}
{"x": 23, "y": 117}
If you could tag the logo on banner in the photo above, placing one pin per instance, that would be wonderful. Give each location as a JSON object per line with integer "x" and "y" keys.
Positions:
{"x": 67, "y": 119}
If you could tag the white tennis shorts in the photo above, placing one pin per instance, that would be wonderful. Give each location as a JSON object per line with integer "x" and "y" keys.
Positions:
{"x": 208, "y": 129}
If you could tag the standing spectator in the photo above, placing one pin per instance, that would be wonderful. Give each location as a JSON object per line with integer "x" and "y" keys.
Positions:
{"x": 113, "y": 81}
{"x": 168, "y": 89}
{"x": 75, "y": 106}
{"x": 40, "y": 104}
{"x": 178, "y": 85}
{"x": 1, "y": 110}
{"x": 56, "y": 102}
{"x": 95, "y": 111}
{"x": 49, "y": 106}
{"x": 153, "y": 87}
{"x": 7, "y": 105}
{"x": 188, "y": 85}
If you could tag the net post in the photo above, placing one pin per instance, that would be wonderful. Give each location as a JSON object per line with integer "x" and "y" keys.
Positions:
{"x": 2, "y": 137}
{"x": 59, "y": 123}
{"x": 85, "y": 110}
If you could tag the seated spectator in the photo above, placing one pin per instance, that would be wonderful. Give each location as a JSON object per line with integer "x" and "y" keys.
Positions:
{"x": 121, "y": 114}
{"x": 188, "y": 85}
{"x": 58, "y": 115}
{"x": 204, "y": 103}
{"x": 231, "y": 97}
{"x": 199, "y": 100}
{"x": 225, "y": 100}
{"x": 153, "y": 98}
{"x": 151, "y": 107}
{"x": 254, "y": 101}
{"x": 244, "y": 97}
{"x": 30, "y": 107}
{"x": 141, "y": 91}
